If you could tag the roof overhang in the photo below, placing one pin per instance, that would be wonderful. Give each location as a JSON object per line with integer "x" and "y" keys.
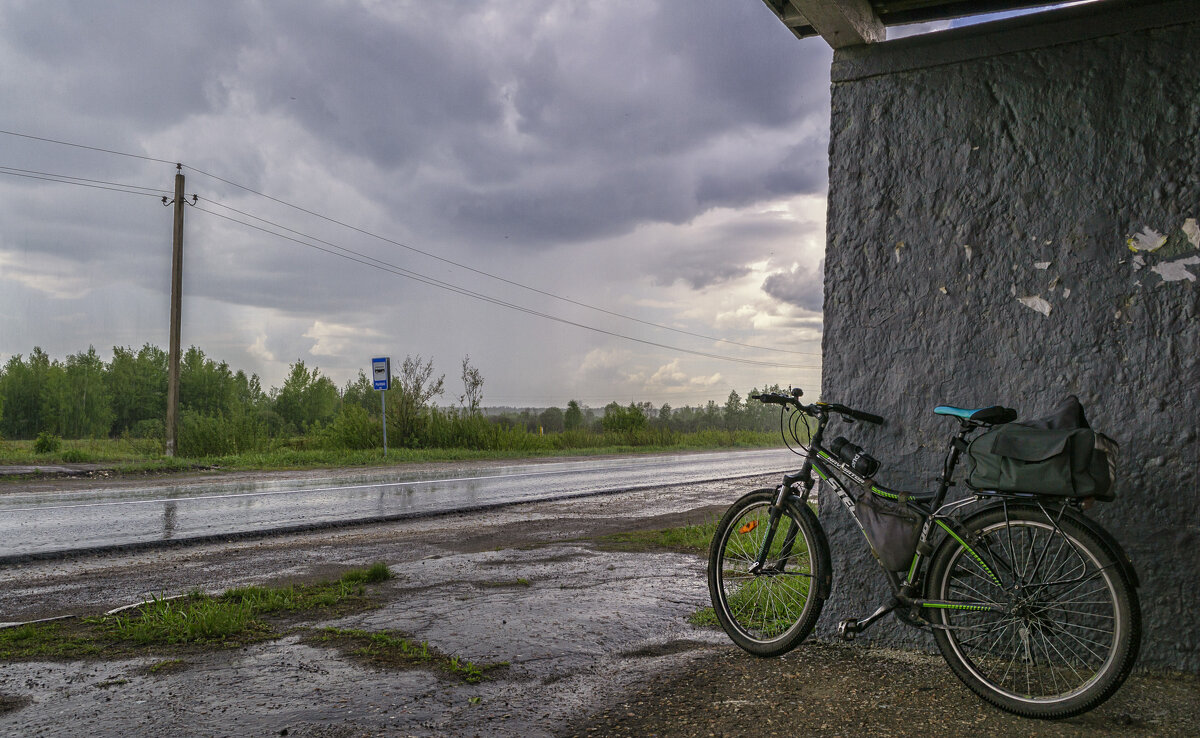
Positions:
{"x": 855, "y": 22}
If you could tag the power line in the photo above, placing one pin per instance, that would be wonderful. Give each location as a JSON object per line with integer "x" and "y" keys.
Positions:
{"x": 82, "y": 146}
{"x": 481, "y": 272}
{"x": 354, "y": 256}
{"x": 413, "y": 249}
{"x": 81, "y": 182}
{"x": 68, "y": 178}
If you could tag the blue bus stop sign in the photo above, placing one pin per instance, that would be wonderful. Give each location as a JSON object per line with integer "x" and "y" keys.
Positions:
{"x": 381, "y": 372}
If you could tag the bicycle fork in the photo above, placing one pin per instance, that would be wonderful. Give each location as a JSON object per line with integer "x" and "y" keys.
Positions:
{"x": 785, "y": 551}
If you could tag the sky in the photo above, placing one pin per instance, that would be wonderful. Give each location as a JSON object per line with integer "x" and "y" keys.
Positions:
{"x": 619, "y": 200}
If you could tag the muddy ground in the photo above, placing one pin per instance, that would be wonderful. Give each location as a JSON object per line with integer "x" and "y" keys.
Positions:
{"x": 596, "y": 641}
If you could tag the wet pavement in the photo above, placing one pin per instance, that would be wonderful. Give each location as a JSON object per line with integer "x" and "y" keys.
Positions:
{"x": 576, "y": 624}
{"x": 597, "y": 644}
{"x": 95, "y": 517}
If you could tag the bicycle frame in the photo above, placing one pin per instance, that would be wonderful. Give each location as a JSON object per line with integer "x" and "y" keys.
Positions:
{"x": 1033, "y": 605}
{"x": 936, "y": 513}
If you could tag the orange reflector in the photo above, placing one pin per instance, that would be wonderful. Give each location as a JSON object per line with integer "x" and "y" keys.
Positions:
{"x": 748, "y": 527}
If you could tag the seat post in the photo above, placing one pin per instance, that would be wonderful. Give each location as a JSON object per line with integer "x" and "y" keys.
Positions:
{"x": 958, "y": 444}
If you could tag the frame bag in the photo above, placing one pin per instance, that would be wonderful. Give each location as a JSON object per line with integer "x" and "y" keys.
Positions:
{"x": 892, "y": 529}
{"x": 1059, "y": 455}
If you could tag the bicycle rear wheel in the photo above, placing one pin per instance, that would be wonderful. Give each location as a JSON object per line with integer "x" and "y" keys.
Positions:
{"x": 1071, "y": 626}
{"x": 768, "y": 610}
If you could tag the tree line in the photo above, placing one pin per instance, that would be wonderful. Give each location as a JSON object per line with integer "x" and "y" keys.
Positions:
{"x": 224, "y": 411}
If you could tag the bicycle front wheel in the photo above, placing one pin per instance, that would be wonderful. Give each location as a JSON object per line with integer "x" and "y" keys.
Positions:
{"x": 768, "y": 609}
{"x": 1070, "y": 627}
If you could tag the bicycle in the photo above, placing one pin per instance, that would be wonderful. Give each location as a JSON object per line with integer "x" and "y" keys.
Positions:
{"x": 1032, "y": 604}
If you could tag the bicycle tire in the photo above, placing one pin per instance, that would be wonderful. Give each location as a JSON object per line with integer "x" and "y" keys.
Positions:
{"x": 1072, "y": 627}
{"x": 770, "y": 612}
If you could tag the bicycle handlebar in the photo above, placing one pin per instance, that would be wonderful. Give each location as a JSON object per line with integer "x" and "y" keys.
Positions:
{"x": 856, "y": 414}
{"x": 777, "y": 398}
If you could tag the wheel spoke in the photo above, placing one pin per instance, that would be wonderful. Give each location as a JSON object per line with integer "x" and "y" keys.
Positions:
{"x": 764, "y": 605}
{"x": 1060, "y": 628}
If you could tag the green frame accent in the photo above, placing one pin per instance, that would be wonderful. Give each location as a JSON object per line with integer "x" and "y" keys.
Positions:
{"x": 971, "y": 551}
{"x": 951, "y": 606}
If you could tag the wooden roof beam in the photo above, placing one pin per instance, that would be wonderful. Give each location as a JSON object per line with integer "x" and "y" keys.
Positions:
{"x": 840, "y": 22}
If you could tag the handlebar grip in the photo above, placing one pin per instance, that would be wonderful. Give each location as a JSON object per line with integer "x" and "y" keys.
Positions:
{"x": 772, "y": 398}
{"x": 865, "y": 417}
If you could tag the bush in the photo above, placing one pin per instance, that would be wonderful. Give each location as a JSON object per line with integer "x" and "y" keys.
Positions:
{"x": 208, "y": 435}
{"x": 47, "y": 443}
{"x": 203, "y": 435}
{"x": 143, "y": 446}
{"x": 353, "y": 429}
{"x": 149, "y": 428}
{"x": 76, "y": 456}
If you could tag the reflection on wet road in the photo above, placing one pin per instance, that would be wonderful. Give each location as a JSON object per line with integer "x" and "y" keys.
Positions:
{"x": 43, "y": 523}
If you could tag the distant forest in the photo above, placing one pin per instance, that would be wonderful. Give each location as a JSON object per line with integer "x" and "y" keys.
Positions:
{"x": 226, "y": 412}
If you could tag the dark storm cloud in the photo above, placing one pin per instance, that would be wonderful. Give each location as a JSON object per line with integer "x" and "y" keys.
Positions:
{"x": 147, "y": 63}
{"x": 800, "y": 170}
{"x": 722, "y": 252}
{"x": 799, "y": 286}
{"x": 551, "y": 124}
{"x": 394, "y": 91}
{"x": 545, "y": 123}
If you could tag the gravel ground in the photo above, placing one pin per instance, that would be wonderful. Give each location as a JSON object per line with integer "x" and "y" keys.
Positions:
{"x": 831, "y": 689}
{"x": 597, "y": 640}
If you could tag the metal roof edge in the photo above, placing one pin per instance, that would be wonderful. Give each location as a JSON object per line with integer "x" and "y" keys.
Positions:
{"x": 1011, "y": 35}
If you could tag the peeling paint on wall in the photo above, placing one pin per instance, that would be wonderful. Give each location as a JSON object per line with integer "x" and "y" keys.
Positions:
{"x": 1036, "y": 303}
{"x": 1174, "y": 271}
{"x": 967, "y": 248}
{"x": 1138, "y": 262}
{"x": 1192, "y": 231}
{"x": 1041, "y": 265}
{"x": 899, "y": 246}
{"x": 1148, "y": 240}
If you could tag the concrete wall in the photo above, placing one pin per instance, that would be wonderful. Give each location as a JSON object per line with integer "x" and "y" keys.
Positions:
{"x": 985, "y": 185}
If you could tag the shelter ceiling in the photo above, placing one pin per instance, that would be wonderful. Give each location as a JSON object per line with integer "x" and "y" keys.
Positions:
{"x": 859, "y": 21}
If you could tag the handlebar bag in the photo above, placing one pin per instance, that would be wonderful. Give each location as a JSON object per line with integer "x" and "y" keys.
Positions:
{"x": 1066, "y": 462}
{"x": 891, "y": 527}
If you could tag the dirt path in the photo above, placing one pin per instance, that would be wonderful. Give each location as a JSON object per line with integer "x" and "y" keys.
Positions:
{"x": 596, "y": 641}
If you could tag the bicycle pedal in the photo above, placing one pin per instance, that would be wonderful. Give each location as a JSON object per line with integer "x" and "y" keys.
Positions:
{"x": 847, "y": 629}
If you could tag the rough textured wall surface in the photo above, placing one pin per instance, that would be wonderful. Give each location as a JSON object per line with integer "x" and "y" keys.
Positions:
{"x": 981, "y": 216}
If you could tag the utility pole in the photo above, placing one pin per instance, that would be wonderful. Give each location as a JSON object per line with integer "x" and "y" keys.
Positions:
{"x": 176, "y": 311}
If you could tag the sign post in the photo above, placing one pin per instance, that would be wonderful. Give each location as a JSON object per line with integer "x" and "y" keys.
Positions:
{"x": 381, "y": 373}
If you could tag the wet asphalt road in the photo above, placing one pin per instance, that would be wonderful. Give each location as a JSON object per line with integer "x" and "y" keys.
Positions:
{"x": 523, "y": 584}
{"x": 38, "y": 524}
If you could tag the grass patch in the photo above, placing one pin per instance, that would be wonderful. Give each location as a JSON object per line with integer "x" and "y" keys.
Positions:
{"x": 687, "y": 538}
{"x": 518, "y": 582}
{"x": 170, "y": 666}
{"x": 235, "y": 618}
{"x": 59, "y": 641}
{"x": 390, "y": 649}
{"x": 112, "y": 683}
{"x": 705, "y": 617}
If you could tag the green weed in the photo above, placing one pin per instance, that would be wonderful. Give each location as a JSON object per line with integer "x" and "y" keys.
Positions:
{"x": 237, "y": 617}
{"x": 692, "y": 538}
{"x": 397, "y": 650}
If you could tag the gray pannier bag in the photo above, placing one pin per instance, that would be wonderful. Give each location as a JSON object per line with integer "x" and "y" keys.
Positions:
{"x": 892, "y": 528}
{"x": 1058, "y": 455}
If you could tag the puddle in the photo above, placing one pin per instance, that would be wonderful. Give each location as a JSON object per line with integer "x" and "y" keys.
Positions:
{"x": 590, "y": 624}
